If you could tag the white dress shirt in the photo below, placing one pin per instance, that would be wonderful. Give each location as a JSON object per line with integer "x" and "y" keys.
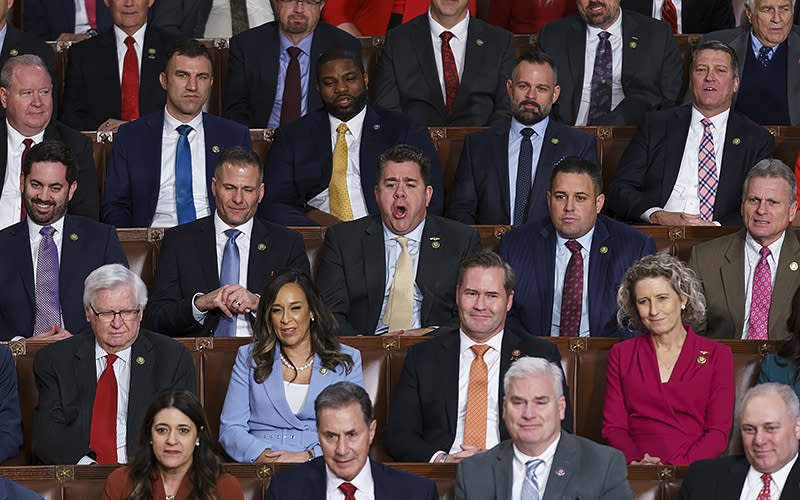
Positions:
{"x": 592, "y": 40}
{"x": 166, "y": 208}
{"x": 81, "y": 17}
{"x": 11, "y": 197}
{"x": 35, "y": 238}
{"x": 365, "y": 486}
{"x": 563, "y": 254}
{"x": 658, "y": 4}
{"x": 514, "y": 144}
{"x": 352, "y": 137}
{"x": 458, "y": 45}
{"x": 392, "y": 251}
{"x": 122, "y": 371}
{"x": 752, "y": 255}
{"x": 753, "y": 483}
{"x": 122, "y": 49}
{"x": 542, "y": 472}
{"x": 218, "y": 24}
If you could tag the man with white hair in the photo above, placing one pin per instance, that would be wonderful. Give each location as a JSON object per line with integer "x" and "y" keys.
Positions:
{"x": 541, "y": 461}
{"x": 95, "y": 386}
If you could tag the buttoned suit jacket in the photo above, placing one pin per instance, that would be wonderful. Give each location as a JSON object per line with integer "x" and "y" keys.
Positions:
{"x": 588, "y": 470}
{"x": 652, "y": 68}
{"x": 20, "y": 42}
{"x": 300, "y": 162}
{"x": 66, "y": 380}
{"x": 739, "y": 40}
{"x": 647, "y": 171}
{"x": 10, "y": 414}
{"x": 85, "y": 246}
{"x": 424, "y": 412}
{"x": 697, "y": 16}
{"x": 351, "y": 275}
{"x": 9, "y": 490}
{"x": 531, "y": 252}
{"x": 308, "y": 481}
{"x": 133, "y": 177}
{"x": 86, "y": 200}
{"x": 719, "y": 264}
{"x": 254, "y": 65}
{"x": 407, "y": 79}
{"x": 92, "y": 88}
{"x": 47, "y": 19}
{"x": 480, "y": 193}
{"x": 188, "y": 265}
{"x": 723, "y": 478}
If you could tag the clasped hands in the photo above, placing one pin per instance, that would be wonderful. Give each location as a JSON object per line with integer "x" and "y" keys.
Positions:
{"x": 229, "y": 299}
{"x": 647, "y": 460}
{"x": 269, "y": 456}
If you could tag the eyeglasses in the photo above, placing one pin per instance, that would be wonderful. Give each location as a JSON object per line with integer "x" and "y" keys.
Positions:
{"x": 108, "y": 316}
{"x": 313, "y": 3}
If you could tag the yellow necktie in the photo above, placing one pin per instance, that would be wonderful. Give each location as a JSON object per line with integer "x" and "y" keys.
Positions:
{"x": 400, "y": 305}
{"x": 337, "y": 190}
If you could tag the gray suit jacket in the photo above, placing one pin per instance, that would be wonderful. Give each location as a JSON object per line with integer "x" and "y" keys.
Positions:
{"x": 581, "y": 469}
{"x": 719, "y": 263}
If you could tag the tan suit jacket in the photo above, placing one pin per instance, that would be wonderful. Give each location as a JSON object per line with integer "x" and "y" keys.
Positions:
{"x": 720, "y": 265}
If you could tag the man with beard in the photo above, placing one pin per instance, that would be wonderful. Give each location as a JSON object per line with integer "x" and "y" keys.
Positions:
{"x": 321, "y": 168}
{"x": 504, "y": 172}
{"x": 47, "y": 256}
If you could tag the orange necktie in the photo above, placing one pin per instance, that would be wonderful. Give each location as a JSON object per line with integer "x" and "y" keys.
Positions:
{"x": 477, "y": 399}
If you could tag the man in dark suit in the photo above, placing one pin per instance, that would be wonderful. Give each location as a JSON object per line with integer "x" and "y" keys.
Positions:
{"x": 533, "y": 408}
{"x": 696, "y": 16}
{"x": 61, "y": 20}
{"x": 428, "y": 420}
{"x": 489, "y": 186}
{"x": 101, "y": 90}
{"x": 81, "y": 246}
{"x": 473, "y": 62}
{"x": 260, "y": 65}
{"x": 26, "y": 92}
{"x": 190, "y": 295}
{"x": 147, "y": 184}
{"x": 76, "y": 419}
{"x": 10, "y": 415}
{"x": 646, "y": 69}
{"x": 770, "y": 426}
{"x": 672, "y": 172}
{"x": 363, "y": 260}
{"x": 305, "y": 167}
{"x": 346, "y": 427}
{"x": 182, "y": 18}
{"x": 541, "y": 255}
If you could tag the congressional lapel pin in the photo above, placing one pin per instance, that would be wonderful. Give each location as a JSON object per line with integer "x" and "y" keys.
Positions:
{"x": 701, "y": 359}
{"x": 793, "y": 266}
{"x": 633, "y": 43}
{"x": 139, "y": 360}
{"x": 479, "y": 42}
{"x": 554, "y": 141}
{"x": 151, "y": 53}
{"x": 261, "y": 247}
{"x": 215, "y": 148}
{"x": 323, "y": 371}
{"x": 560, "y": 471}
{"x": 13, "y": 52}
{"x": 74, "y": 237}
{"x": 736, "y": 141}
{"x": 515, "y": 354}
{"x": 377, "y": 126}
{"x": 435, "y": 242}
{"x": 604, "y": 249}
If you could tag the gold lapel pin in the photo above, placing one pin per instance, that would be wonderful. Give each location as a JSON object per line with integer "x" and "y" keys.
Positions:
{"x": 139, "y": 360}
{"x": 73, "y": 237}
{"x": 793, "y": 266}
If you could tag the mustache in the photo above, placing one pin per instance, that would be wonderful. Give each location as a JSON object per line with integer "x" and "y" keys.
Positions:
{"x": 532, "y": 103}
{"x": 40, "y": 201}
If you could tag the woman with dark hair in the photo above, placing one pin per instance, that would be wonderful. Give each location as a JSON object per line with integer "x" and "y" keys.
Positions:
{"x": 175, "y": 457}
{"x": 268, "y": 413}
{"x": 784, "y": 367}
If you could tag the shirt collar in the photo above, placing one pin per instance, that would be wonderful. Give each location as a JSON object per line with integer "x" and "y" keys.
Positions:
{"x": 304, "y": 45}
{"x": 719, "y": 120}
{"x": 414, "y": 235}
{"x": 34, "y": 228}
{"x": 615, "y": 29}
{"x": 120, "y": 36}
{"x": 547, "y": 455}
{"x": 354, "y": 124}
{"x": 459, "y": 31}
{"x": 756, "y": 44}
{"x": 780, "y": 476}
{"x": 363, "y": 480}
{"x": 496, "y": 342}
{"x": 124, "y": 354}
{"x": 221, "y": 226}
{"x": 755, "y": 247}
{"x": 17, "y": 138}
{"x": 171, "y": 123}
{"x": 540, "y": 127}
{"x": 585, "y": 240}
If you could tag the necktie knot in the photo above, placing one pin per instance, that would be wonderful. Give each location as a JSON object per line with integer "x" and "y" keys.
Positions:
{"x": 403, "y": 240}
{"x": 531, "y": 466}
{"x": 763, "y": 55}
{"x": 47, "y": 231}
{"x": 110, "y": 358}
{"x": 527, "y": 132}
{"x": 446, "y": 36}
{"x": 480, "y": 350}
{"x": 27, "y": 142}
{"x": 348, "y": 489}
{"x": 184, "y": 130}
{"x": 573, "y": 246}
{"x": 294, "y": 52}
{"x": 765, "y": 252}
{"x": 766, "y": 479}
{"x": 342, "y": 129}
{"x": 707, "y": 124}
{"x": 232, "y": 234}
{"x": 603, "y": 35}
{"x": 129, "y": 41}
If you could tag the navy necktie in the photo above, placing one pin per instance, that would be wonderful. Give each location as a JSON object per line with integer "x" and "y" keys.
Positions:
{"x": 600, "y": 99}
{"x": 763, "y": 56}
{"x": 184, "y": 200}
{"x": 229, "y": 275}
{"x": 524, "y": 169}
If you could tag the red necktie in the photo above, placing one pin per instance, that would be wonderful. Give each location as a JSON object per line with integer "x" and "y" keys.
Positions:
{"x": 670, "y": 15}
{"x": 764, "y": 493}
{"x": 28, "y": 143}
{"x": 130, "y": 82}
{"x": 758, "y": 324}
{"x": 91, "y": 12}
{"x": 572, "y": 293}
{"x": 290, "y": 105}
{"x": 450, "y": 70}
{"x": 350, "y": 491}
{"x": 103, "y": 436}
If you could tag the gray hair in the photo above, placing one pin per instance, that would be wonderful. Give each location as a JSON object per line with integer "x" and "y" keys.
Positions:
{"x": 772, "y": 167}
{"x": 751, "y": 3}
{"x": 343, "y": 394}
{"x": 111, "y": 276}
{"x": 535, "y": 367}
{"x": 785, "y": 392}
{"x": 682, "y": 278}
{"x": 21, "y": 60}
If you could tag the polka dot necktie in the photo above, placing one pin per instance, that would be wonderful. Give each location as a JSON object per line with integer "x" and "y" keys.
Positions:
{"x": 764, "y": 494}
{"x": 600, "y": 100}
{"x": 763, "y": 56}
{"x": 337, "y": 189}
{"x": 572, "y": 293}
{"x": 758, "y": 325}
{"x": 48, "y": 305}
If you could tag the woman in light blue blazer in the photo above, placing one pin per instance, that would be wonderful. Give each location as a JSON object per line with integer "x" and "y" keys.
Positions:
{"x": 784, "y": 367}
{"x": 268, "y": 413}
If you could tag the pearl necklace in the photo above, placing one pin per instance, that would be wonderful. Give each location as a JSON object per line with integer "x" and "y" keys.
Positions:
{"x": 296, "y": 368}
{"x": 170, "y": 497}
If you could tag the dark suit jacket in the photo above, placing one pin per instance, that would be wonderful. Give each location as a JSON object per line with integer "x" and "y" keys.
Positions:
{"x": 652, "y": 68}
{"x": 723, "y": 478}
{"x": 719, "y": 263}
{"x": 424, "y": 411}
{"x": 92, "y": 90}
{"x": 351, "y": 275}
{"x": 188, "y": 265}
{"x": 181, "y": 18}
{"x": 646, "y": 173}
{"x": 254, "y": 65}
{"x": 531, "y": 252}
{"x": 697, "y": 16}
{"x": 94, "y": 244}
{"x": 308, "y": 482}
{"x": 739, "y": 40}
{"x": 480, "y": 192}
{"x": 23, "y": 43}
{"x": 300, "y": 162}
{"x": 133, "y": 178}
{"x": 66, "y": 380}
{"x": 86, "y": 200}
{"x": 47, "y": 19}
{"x": 10, "y": 415}
{"x": 407, "y": 78}
{"x": 9, "y": 490}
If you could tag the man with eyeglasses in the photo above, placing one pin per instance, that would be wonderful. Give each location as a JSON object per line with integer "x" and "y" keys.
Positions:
{"x": 271, "y": 70}
{"x": 94, "y": 388}
{"x": 49, "y": 253}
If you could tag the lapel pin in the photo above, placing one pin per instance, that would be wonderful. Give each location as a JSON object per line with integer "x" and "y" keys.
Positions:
{"x": 604, "y": 249}
{"x": 435, "y": 242}
{"x": 793, "y": 266}
{"x": 633, "y": 44}
{"x": 139, "y": 360}
{"x": 515, "y": 354}
{"x": 215, "y": 148}
{"x": 554, "y": 140}
{"x": 323, "y": 371}
{"x": 261, "y": 247}
{"x": 377, "y": 126}
{"x": 736, "y": 141}
{"x": 151, "y": 53}
{"x": 560, "y": 471}
{"x": 701, "y": 359}
{"x": 479, "y": 42}
{"x": 74, "y": 237}
{"x": 13, "y": 52}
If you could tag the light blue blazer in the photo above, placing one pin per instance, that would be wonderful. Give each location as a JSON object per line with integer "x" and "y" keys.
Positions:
{"x": 771, "y": 371}
{"x": 257, "y": 416}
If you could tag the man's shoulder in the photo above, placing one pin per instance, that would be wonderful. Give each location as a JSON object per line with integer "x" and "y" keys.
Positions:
{"x": 395, "y": 118}
{"x": 138, "y": 126}
{"x": 354, "y": 228}
{"x": 300, "y": 474}
{"x": 564, "y": 130}
{"x": 529, "y": 233}
{"x": 164, "y": 346}
{"x": 557, "y": 28}
{"x": 66, "y": 134}
{"x": 13, "y": 232}
{"x": 256, "y": 37}
{"x": 90, "y": 46}
{"x": 453, "y": 228}
{"x": 80, "y": 226}
{"x": 708, "y": 467}
{"x": 527, "y": 343}
{"x": 729, "y": 34}
{"x": 25, "y": 43}
{"x": 409, "y": 485}
{"x": 299, "y": 131}
{"x": 331, "y": 36}
{"x": 182, "y": 232}
{"x": 620, "y": 229}
{"x": 409, "y": 29}
{"x": 741, "y": 121}
{"x": 484, "y": 29}
{"x": 591, "y": 451}
{"x": 483, "y": 461}
{"x": 59, "y": 352}
{"x": 276, "y": 232}
{"x": 713, "y": 246}
{"x": 218, "y": 124}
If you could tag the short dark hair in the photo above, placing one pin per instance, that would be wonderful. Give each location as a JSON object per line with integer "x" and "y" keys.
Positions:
{"x": 342, "y": 394}
{"x": 575, "y": 165}
{"x": 487, "y": 260}
{"x": 537, "y": 56}
{"x": 188, "y": 47}
{"x": 239, "y": 156}
{"x": 51, "y": 151}
{"x": 402, "y": 153}
{"x": 336, "y": 54}
{"x": 722, "y": 47}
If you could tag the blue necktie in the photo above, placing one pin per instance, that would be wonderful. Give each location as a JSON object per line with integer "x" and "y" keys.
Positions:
{"x": 763, "y": 56}
{"x": 229, "y": 275}
{"x": 530, "y": 486}
{"x": 524, "y": 168}
{"x": 183, "y": 177}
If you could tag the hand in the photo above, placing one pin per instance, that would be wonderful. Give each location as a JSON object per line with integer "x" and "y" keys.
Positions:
{"x": 664, "y": 218}
{"x": 415, "y": 332}
{"x": 263, "y": 457}
{"x": 240, "y": 300}
{"x": 695, "y": 220}
{"x": 647, "y": 460}
{"x": 287, "y": 456}
{"x": 110, "y": 125}
{"x": 72, "y": 37}
{"x": 215, "y": 299}
{"x": 55, "y": 333}
{"x": 466, "y": 451}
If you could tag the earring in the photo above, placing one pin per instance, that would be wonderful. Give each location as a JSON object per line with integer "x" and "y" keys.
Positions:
{"x": 197, "y": 443}
{"x": 312, "y": 318}
{"x": 683, "y": 306}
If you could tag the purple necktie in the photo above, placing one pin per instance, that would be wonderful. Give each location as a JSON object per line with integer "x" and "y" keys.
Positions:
{"x": 572, "y": 293}
{"x": 48, "y": 309}
{"x": 600, "y": 99}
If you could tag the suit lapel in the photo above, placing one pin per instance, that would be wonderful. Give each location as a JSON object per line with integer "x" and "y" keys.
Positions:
{"x": 324, "y": 147}
{"x": 631, "y": 52}
{"x": 431, "y": 260}
{"x": 141, "y": 388}
{"x": 109, "y": 73}
{"x": 275, "y": 393}
{"x": 152, "y": 64}
{"x": 21, "y": 254}
{"x": 150, "y": 168}
{"x": 599, "y": 268}
{"x": 372, "y": 145}
{"x": 549, "y": 155}
{"x": 575, "y": 61}
{"x": 70, "y": 252}
{"x": 498, "y": 150}
{"x": 212, "y": 153}
{"x": 271, "y": 47}
{"x": 258, "y": 263}
{"x": 85, "y": 377}
{"x": 373, "y": 250}
{"x": 561, "y": 471}
{"x": 675, "y": 144}
{"x": 502, "y": 471}
{"x": 791, "y": 489}
{"x": 546, "y": 267}
{"x": 474, "y": 63}
{"x": 3, "y": 152}
{"x": 423, "y": 47}
{"x": 735, "y": 167}
{"x": 731, "y": 485}
{"x": 785, "y": 282}
{"x": 793, "y": 76}
{"x": 208, "y": 254}
{"x": 449, "y": 355}
{"x": 732, "y": 274}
